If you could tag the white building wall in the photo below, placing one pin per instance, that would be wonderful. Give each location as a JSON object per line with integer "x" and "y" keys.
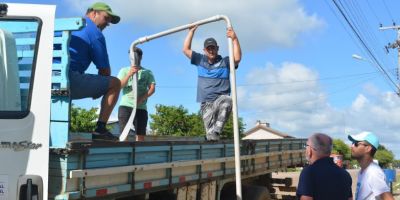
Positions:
{"x": 262, "y": 134}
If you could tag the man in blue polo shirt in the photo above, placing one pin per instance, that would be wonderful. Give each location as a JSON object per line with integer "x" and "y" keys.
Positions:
{"x": 213, "y": 86}
{"x": 323, "y": 179}
{"x": 86, "y": 46}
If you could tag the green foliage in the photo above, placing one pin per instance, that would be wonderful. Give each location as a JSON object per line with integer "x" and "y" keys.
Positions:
{"x": 384, "y": 156}
{"x": 170, "y": 120}
{"x": 228, "y": 128}
{"x": 176, "y": 121}
{"x": 339, "y": 147}
{"x": 83, "y": 120}
{"x": 197, "y": 125}
{"x": 396, "y": 164}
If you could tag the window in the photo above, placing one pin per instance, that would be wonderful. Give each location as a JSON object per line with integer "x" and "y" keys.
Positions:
{"x": 19, "y": 39}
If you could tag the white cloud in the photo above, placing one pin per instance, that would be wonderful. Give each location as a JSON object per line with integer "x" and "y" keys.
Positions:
{"x": 290, "y": 104}
{"x": 359, "y": 102}
{"x": 275, "y": 22}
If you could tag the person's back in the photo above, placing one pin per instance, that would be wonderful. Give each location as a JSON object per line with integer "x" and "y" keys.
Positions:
{"x": 327, "y": 180}
{"x": 323, "y": 179}
{"x": 87, "y": 45}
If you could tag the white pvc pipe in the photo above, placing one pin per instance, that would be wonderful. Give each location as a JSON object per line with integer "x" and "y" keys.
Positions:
{"x": 232, "y": 82}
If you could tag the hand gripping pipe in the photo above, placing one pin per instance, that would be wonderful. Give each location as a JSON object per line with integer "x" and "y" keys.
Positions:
{"x": 232, "y": 82}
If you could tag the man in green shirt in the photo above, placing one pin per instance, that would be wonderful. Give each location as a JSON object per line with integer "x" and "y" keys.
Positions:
{"x": 145, "y": 88}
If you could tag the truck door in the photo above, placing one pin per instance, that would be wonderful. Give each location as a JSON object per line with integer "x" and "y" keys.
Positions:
{"x": 26, "y": 38}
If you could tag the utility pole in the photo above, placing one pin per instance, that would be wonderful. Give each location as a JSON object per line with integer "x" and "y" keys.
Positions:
{"x": 394, "y": 45}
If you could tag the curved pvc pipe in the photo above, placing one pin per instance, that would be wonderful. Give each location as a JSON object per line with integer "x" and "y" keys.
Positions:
{"x": 232, "y": 82}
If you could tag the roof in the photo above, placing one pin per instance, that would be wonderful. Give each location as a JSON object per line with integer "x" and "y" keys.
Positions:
{"x": 265, "y": 127}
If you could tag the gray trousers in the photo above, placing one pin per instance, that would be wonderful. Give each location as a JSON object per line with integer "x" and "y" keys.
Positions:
{"x": 216, "y": 113}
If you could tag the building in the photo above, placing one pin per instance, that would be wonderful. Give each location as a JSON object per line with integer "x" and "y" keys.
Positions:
{"x": 263, "y": 131}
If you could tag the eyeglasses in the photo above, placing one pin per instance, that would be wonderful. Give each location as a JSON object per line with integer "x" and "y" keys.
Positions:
{"x": 356, "y": 144}
{"x": 307, "y": 145}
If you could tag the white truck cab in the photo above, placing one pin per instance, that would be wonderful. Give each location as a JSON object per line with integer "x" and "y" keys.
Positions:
{"x": 26, "y": 48}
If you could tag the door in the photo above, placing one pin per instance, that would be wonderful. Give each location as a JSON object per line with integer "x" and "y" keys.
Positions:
{"x": 26, "y": 38}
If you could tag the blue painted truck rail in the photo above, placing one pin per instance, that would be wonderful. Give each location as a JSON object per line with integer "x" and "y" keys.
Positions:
{"x": 169, "y": 164}
{"x": 60, "y": 99}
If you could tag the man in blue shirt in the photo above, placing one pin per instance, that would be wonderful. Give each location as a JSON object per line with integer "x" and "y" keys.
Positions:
{"x": 323, "y": 179}
{"x": 213, "y": 86}
{"x": 86, "y": 46}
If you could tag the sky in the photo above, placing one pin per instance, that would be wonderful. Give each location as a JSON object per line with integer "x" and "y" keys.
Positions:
{"x": 297, "y": 72}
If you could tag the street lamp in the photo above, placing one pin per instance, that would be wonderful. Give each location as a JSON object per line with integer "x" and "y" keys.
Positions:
{"x": 358, "y": 57}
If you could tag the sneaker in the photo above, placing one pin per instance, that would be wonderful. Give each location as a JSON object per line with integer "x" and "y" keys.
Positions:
{"x": 104, "y": 136}
{"x": 212, "y": 137}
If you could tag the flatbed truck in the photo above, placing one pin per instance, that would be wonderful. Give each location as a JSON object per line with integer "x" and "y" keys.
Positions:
{"x": 40, "y": 158}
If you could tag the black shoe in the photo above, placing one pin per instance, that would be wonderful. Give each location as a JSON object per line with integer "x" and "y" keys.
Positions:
{"x": 104, "y": 136}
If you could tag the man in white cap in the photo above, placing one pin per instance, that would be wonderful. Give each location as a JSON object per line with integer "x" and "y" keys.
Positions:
{"x": 371, "y": 182}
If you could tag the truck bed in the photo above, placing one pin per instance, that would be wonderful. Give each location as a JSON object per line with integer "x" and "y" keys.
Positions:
{"x": 104, "y": 169}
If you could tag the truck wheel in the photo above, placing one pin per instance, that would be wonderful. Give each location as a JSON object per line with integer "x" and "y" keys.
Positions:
{"x": 253, "y": 192}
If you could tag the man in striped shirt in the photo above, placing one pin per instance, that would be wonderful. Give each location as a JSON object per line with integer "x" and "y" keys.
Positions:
{"x": 213, "y": 86}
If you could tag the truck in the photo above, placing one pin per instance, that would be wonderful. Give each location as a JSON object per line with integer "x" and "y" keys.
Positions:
{"x": 40, "y": 158}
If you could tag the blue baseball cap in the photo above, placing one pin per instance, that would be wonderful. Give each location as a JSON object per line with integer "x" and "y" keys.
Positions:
{"x": 365, "y": 136}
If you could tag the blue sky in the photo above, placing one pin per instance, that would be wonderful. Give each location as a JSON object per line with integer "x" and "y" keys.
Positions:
{"x": 297, "y": 72}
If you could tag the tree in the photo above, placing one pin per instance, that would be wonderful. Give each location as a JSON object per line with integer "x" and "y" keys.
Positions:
{"x": 228, "y": 128}
{"x": 384, "y": 156}
{"x": 396, "y": 163}
{"x": 176, "y": 121}
{"x": 339, "y": 147}
{"x": 171, "y": 120}
{"x": 83, "y": 120}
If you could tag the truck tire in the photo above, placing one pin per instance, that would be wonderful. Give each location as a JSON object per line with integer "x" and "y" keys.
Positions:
{"x": 253, "y": 192}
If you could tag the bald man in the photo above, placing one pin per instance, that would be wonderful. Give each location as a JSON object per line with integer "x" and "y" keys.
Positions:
{"x": 323, "y": 179}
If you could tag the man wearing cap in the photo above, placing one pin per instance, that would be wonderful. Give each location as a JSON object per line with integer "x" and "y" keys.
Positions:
{"x": 86, "y": 46}
{"x": 323, "y": 179}
{"x": 371, "y": 182}
{"x": 213, "y": 86}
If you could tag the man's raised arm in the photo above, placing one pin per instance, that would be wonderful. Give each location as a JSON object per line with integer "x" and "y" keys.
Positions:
{"x": 187, "y": 45}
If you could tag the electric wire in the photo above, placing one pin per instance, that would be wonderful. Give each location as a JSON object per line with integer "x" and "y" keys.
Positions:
{"x": 388, "y": 11}
{"x": 367, "y": 48}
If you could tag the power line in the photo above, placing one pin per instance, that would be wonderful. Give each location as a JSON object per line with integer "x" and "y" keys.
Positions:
{"x": 311, "y": 100}
{"x": 392, "y": 61}
{"x": 360, "y": 21}
{"x": 373, "y": 12}
{"x": 388, "y": 11}
{"x": 369, "y": 51}
{"x": 283, "y": 82}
